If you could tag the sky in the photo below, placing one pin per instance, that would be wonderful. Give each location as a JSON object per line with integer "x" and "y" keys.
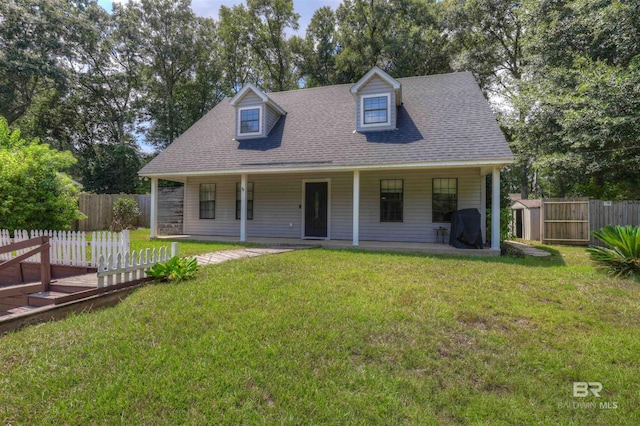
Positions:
{"x": 209, "y": 8}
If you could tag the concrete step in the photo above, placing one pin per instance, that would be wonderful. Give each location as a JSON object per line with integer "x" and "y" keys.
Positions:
{"x": 45, "y": 298}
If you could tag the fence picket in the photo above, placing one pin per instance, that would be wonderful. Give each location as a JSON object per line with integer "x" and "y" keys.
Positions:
{"x": 128, "y": 267}
{"x": 69, "y": 248}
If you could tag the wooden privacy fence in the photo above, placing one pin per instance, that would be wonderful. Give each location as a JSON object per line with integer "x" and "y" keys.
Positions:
{"x": 69, "y": 247}
{"x": 564, "y": 221}
{"x": 99, "y": 211}
{"x": 603, "y": 213}
{"x": 570, "y": 221}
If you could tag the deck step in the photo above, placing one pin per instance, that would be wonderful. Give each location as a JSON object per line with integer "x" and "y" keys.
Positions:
{"x": 22, "y": 309}
{"x": 45, "y": 298}
{"x": 68, "y": 289}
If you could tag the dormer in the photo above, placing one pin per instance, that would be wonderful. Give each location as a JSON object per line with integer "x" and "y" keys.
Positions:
{"x": 256, "y": 114}
{"x": 377, "y": 96}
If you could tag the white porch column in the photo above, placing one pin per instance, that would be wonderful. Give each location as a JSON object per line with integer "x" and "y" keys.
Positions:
{"x": 154, "y": 207}
{"x": 243, "y": 207}
{"x": 483, "y": 207}
{"x": 495, "y": 209}
{"x": 356, "y": 208}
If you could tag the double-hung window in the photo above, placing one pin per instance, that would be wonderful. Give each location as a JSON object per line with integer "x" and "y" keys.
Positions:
{"x": 375, "y": 110}
{"x": 207, "y": 201}
{"x": 391, "y": 199}
{"x": 249, "y": 200}
{"x": 444, "y": 199}
{"x": 250, "y": 123}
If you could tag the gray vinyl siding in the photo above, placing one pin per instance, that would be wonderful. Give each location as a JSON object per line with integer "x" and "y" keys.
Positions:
{"x": 225, "y": 223}
{"x": 376, "y": 86}
{"x": 250, "y": 100}
{"x": 417, "y": 214}
{"x": 271, "y": 119}
{"x": 278, "y": 205}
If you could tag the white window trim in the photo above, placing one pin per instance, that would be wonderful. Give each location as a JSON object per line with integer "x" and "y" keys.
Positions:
{"x": 377, "y": 95}
{"x": 239, "y": 124}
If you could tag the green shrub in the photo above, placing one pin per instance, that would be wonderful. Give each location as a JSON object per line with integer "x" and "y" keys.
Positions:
{"x": 175, "y": 269}
{"x": 125, "y": 214}
{"x": 622, "y": 257}
{"x": 34, "y": 193}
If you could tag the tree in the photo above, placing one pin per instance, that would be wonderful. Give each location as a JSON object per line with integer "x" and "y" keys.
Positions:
{"x": 267, "y": 21}
{"x": 168, "y": 30}
{"x": 237, "y": 54}
{"x": 586, "y": 81}
{"x": 111, "y": 169}
{"x": 489, "y": 36}
{"x": 32, "y": 38}
{"x": 403, "y": 37}
{"x": 34, "y": 193}
{"x": 315, "y": 55}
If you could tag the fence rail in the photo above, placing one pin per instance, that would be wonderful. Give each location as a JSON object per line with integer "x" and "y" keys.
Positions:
{"x": 99, "y": 211}
{"x": 68, "y": 247}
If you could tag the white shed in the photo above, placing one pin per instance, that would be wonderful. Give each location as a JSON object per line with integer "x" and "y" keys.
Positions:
{"x": 525, "y": 219}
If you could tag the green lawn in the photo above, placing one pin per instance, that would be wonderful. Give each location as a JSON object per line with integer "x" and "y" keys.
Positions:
{"x": 140, "y": 240}
{"x": 341, "y": 337}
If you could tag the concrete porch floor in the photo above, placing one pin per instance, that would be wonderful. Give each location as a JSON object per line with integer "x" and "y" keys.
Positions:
{"x": 425, "y": 248}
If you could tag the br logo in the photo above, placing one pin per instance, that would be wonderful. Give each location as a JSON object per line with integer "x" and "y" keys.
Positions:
{"x": 582, "y": 389}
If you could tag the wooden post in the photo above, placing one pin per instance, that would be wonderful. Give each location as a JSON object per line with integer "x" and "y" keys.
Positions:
{"x": 45, "y": 264}
{"x": 174, "y": 249}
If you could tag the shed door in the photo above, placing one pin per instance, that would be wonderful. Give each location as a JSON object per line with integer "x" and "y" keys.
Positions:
{"x": 519, "y": 214}
{"x": 316, "y": 209}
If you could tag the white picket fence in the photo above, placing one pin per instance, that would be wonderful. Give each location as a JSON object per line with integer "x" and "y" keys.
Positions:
{"x": 69, "y": 247}
{"x": 118, "y": 269}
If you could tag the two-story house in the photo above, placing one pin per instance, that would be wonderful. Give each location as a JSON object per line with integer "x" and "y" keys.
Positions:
{"x": 382, "y": 160}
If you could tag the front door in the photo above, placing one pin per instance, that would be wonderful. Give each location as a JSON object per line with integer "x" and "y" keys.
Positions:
{"x": 316, "y": 209}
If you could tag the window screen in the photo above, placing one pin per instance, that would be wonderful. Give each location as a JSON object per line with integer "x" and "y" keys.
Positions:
{"x": 250, "y": 120}
{"x": 445, "y": 199}
{"x": 375, "y": 110}
{"x": 207, "y": 201}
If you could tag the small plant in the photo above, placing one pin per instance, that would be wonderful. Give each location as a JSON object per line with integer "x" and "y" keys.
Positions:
{"x": 175, "y": 269}
{"x": 622, "y": 257}
{"x": 125, "y": 214}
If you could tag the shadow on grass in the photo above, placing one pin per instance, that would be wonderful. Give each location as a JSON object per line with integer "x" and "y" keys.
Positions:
{"x": 544, "y": 262}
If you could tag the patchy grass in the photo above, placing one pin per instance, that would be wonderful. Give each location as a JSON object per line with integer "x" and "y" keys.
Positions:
{"x": 341, "y": 337}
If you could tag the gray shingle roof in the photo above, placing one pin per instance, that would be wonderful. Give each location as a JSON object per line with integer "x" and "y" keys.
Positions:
{"x": 444, "y": 118}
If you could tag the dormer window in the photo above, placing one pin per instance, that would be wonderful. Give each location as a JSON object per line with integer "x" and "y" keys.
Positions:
{"x": 377, "y": 98}
{"x": 375, "y": 110}
{"x": 250, "y": 123}
{"x": 256, "y": 114}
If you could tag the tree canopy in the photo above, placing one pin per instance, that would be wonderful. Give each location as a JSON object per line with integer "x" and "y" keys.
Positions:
{"x": 562, "y": 75}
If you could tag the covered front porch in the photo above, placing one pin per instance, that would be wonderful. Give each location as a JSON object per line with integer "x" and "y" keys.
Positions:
{"x": 380, "y": 208}
{"x": 391, "y": 246}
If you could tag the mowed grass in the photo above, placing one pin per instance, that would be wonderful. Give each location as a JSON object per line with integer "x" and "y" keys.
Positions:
{"x": 341, "y": 337}
{"x": 140, "y": 240}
